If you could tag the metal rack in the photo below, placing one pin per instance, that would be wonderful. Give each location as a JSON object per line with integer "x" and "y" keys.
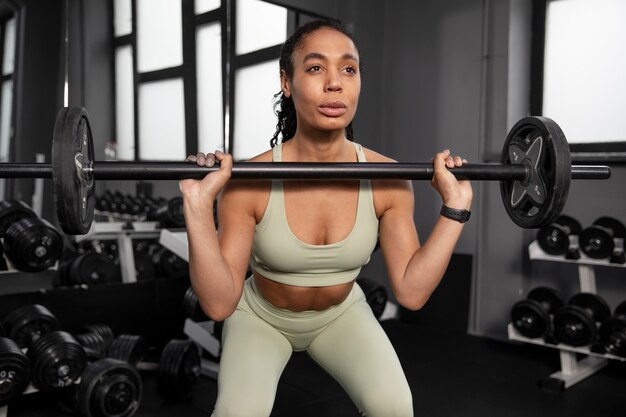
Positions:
{"x": 572, "y": 370}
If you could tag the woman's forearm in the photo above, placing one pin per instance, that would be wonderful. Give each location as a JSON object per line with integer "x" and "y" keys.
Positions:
{"x": 209, "y": 272}
{"x": 429, "y": 263}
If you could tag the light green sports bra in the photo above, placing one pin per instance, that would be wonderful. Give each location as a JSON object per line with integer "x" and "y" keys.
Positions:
{"x": 280, "y": 256}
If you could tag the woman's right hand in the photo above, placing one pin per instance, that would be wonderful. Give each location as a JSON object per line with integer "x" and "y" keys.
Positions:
{"x": 206, "y": 190}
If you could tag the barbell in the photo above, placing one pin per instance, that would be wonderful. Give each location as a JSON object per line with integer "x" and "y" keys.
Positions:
{"x": 534, "y": 172}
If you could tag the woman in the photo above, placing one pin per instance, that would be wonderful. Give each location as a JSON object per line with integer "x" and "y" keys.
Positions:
{"x": 307, "y": 241}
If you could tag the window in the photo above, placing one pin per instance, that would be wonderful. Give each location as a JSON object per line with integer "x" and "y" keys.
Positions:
{"x": 584, "y": 62}
{"x": 7, "y": 63}
{"x": 197, "y": 75}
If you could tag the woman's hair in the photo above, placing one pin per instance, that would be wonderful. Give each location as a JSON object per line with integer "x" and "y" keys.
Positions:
{"x": 284, "y": 107}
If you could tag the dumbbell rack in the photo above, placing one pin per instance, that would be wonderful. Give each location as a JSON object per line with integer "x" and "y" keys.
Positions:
{"x": 124, "y": 235}
{"x": 572, "y": 370}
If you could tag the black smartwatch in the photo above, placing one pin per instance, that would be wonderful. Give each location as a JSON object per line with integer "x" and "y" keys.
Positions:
{"x": 459, "y": 215}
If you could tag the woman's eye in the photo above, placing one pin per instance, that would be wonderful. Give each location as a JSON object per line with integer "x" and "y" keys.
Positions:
{"x": 314, "y": 68}
{"x": 351, "y": 70}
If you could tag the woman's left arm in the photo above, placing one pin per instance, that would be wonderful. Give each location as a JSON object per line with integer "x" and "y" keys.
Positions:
{"x": 415, "y": 270}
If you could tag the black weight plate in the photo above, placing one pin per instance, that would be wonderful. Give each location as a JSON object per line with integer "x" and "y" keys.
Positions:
{"x": 191, "y": 306}
{"x": 170, "y": 265}
{"x": 103, "y": 330}
{"x": 573, "y": 226}
{"x": 169, "y": 213}
{"x": 74, "y": 190}
{"x": 593, "y": 303}
{"x": 596, "y": 242}
{"x": 92, "y": 268}
{"x": 144, "y": 268}
{"x": 375, "y": 294}
{"x": 14, "y": 371}
{"x": 26, "y": 324}
{"x": 553, "y": 239}
{"x": 12, "y": 211}
{"x": 618, "y": 228}
{"x": 612, "y": 335}
{"x": 128, "y": 348}
{"x": 540, "y": 145}
{"x": 179, "y": 369}
{"x": 33, "y": 245}
{"x": 549, "y": 298}
{"x": 574, "y": 326}
{"x": 1, "y": 330}
{"x": 620, "y": 310}
{"x": 109, "y": 388}
{"x": 530, "y": 318}
{"x": 57, "y": 359}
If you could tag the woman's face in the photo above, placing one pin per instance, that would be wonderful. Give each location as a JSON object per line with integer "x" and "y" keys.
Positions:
{"x": 326, "y": 82}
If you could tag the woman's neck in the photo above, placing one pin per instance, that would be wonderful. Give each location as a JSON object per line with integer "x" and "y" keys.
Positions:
{"x": 331, "y": 147}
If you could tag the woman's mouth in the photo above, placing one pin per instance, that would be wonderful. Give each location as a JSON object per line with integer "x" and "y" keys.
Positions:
{"x": 333, "y": 108}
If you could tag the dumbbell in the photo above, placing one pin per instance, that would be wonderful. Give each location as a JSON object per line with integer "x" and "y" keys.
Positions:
{"x": 28, "y": 323}
{"x": 554, "y": 238}
{"x": 108, "y": 388}
{"x": 57, "y": 359}
{"x": 178, "y": 368}
{"x": 531, "y": 317}
{"x": 597, "y": 241}
{"x": 375, "y": 294}
{"x": 11, "y": 211}
{"x": 612, "y": 332}
{"x": 96, "y": 340}
{"x": 169, "y": 265}
{"x": 575, "y": 324}
{"x": 14, "y": 371}
{"x": 143, "y": 250}
{"x": 169, "y": 213}
{"x": 92, "y": 268}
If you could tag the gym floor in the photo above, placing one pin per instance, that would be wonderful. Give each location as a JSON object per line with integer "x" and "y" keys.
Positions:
{"x": 450, "y": 375}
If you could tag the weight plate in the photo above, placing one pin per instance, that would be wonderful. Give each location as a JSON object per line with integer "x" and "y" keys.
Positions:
{"x": 26, "y": 324}
{"x": 72, "y": 152}
{"x": 128, "y": 348}
{"x": 169, "y": 213}
{"x": 530, "y": 318}
{"x": 573, "y": 226}
{"x": 375, "y": 294}
{"x": 549, "y": 298}
{"x": 92, "y": 268}
{"x": 612, "y": 335}
{"x": 14, "y": 371}
{"x": 616, "y": 226}
{"x": 596, "y": 242}
{"x": 179, "y": 369}
{"x": 109, "y": 388}
{"x": 540, "y": 145}
{"x": 595, "y": 305}
{"x": 169, "y": 265}
{"x": 1, "y": 330}
{"x": 620, "y": 310}
{"x": 574, "y": 326}
{"x": 57, "y": 359}
{"x": 33, "y": 245}
{"x": 12, "y": 211}
{"x": 191, "y": 306}
{"x": 553, "y": 239}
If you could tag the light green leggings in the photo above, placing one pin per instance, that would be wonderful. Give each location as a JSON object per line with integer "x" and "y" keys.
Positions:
{"x": 346, "y": 340}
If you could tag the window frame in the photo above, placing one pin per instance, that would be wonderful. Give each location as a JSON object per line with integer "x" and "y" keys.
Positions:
{"x": 596, "y": 152}
{"x": 231, "y": 62}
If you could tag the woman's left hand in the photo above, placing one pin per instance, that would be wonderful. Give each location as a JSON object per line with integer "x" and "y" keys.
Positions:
{"x": 454, "y": 193}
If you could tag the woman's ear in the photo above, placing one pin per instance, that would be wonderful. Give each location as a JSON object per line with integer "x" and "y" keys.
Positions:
{"x": 284, "y": 84}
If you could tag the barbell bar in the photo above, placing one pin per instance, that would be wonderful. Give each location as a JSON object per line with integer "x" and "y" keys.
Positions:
{"x": 534, "y": 172}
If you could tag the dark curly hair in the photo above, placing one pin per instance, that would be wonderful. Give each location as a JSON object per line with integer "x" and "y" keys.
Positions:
{"x": 283, "y": 106}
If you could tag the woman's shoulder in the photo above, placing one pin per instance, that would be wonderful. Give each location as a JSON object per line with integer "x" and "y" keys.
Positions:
{"x": 373, "y": 156}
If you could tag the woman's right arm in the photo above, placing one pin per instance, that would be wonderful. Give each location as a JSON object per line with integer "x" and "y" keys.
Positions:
{"x": 218, "y": 263}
